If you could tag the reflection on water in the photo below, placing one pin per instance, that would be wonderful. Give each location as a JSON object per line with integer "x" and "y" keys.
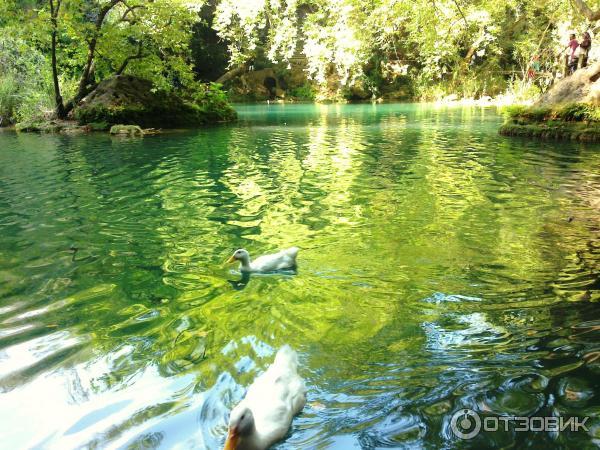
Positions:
{"x": 442, "y": 267}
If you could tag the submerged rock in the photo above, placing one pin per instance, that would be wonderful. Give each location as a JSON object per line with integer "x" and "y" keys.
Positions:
{"x": 126, "y": 130}
{"x": 575, "y": 392}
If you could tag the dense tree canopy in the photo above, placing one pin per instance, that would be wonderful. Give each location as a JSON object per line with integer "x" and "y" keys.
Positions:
{"x": 87, "y": 41}
{"x": 464, "y": 47}
{"x": 474, "y": 44}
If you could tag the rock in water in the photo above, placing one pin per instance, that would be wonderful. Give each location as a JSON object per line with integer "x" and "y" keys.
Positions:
{"x": 126, "y": 130}
{"x": 125, "y": 99}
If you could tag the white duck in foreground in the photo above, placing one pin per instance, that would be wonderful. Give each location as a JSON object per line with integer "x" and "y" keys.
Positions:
{"x": 264, "y": 416}
{"x": 285, "y": 259}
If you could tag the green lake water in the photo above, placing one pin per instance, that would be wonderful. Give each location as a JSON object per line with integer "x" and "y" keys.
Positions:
{"x": 442, "y": 268}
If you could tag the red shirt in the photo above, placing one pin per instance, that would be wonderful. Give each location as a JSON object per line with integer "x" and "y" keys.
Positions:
{"x": 573, "y": 44}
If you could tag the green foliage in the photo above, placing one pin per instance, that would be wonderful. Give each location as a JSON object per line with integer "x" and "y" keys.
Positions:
{"x": 39, "y": 125}
{"x": 8, "y": 98}
{"x": 304, "y": 92}
{"x": 536, "y": 114}
{"x": 574, "y": 121}
{"x": 520, "y": 90}
{"x": 208, "y": 50}
{"x": 576, "y": 112}
{"x": 352, "y": 48}
{"x": 514, "y": 111}
{"x": 25, "y": 89}
{"x": 563, "y": 130}
{"x": 146, "y": 116}
{"x": 571, "y": 112}
{"x": 203, "y": 104}
{"x": 149, "y": 39}
{"x": 471, "y": 49}
{"x": 98, "y": 126}
{"x": 527, "y": 114}
{"x": 211, "y": 100}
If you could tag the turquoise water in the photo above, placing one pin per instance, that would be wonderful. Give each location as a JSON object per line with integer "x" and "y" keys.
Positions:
{"x": 443, "y": 267}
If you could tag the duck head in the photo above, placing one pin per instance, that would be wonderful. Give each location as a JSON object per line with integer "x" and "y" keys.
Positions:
{"x": 241, "y": 427}
{"x": 240, "y": 255}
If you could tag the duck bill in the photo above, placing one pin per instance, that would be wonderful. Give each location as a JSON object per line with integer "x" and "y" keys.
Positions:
{"x": 233, "y": 440}
{"x": 231, "y": 260}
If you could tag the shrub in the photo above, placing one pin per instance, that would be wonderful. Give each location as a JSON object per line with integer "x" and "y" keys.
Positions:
{"x": 8, "y": 98}
{"x": 522, "y": 113}
{"x": 210, "y": 101}
{"x": 575, "y": 112}
{"x": 304, "y": 92}
{"x": 536, "y": 114}
{"x": 514, "y": 110}
{"x": 203, "y": 104}
{"x": 98, "y": 126}
{"x": 572, "y": 112}
{"x": 25, "y": 87}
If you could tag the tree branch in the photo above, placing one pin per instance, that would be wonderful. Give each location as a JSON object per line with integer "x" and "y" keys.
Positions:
{"x": 236, "y": 71}
{"x": 461, "y": 13}
{"x": 130, "y": 9}
{"x": 138, "y": 55}
{"x": 84, "y": 81}
{"x": 584, "y": 9}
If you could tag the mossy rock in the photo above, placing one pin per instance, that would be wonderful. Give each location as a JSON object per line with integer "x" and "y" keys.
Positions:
{"x": 126, "y": 130}
{"x": 128, "y": 99}
{"x": 572, "y": 121}
{"x": 51, "y": 126}
{"x": 574, "y": 131}
{"x": 39, "y": 126}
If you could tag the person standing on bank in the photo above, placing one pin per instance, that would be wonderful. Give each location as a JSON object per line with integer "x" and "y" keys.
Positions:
{"x": 572, "y": 45}
{"x": 584, "y": 47}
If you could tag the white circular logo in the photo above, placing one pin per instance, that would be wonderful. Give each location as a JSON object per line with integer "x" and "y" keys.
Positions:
{"x": 465, "y": 424}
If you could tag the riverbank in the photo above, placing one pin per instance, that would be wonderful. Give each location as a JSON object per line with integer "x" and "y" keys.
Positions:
{"x": 136, "y": 107}
{"x": 572, "y": 121}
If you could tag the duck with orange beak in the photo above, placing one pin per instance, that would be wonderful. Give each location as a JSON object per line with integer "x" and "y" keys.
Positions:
{"x": 264, "y": 416}
{"x": 242, "y": 431}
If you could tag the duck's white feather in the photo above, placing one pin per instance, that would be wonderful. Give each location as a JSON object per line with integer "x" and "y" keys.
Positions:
{"x": 285, "y": 259}
{"x": 275, "y": 398}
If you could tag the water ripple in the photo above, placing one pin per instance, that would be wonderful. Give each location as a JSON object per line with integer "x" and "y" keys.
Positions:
{"x": 442, "y": 267}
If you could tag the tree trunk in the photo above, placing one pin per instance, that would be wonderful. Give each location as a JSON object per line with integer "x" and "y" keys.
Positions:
{"x": 61, "y": 113}
{"x": 584, "y": 9}
{"x": 235, "y": 72}
{"x": 86, "y": 82}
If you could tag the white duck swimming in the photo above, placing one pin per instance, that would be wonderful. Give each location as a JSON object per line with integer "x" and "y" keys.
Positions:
{"x": 264, "y": 416}
{"x": 285, "y": 259}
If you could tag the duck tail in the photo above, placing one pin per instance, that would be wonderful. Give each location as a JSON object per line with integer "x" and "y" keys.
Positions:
{"x": 286, "y": 357}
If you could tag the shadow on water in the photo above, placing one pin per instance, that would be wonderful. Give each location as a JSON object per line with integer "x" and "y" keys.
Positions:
{"x": 245, "y": 277}
{"x": 240, "y": 284}
{"x": 443, "y": 268}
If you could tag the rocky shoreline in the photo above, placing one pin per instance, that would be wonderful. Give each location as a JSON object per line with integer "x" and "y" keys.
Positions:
{"x": 582, "y": 132}
{"x": 570, "y": 110}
